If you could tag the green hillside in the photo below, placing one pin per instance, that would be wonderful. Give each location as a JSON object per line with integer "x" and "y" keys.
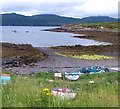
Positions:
{"x": 14, "y": 19}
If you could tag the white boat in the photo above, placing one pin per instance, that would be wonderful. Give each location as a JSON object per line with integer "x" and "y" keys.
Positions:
{"x": 73, "y": 76}
{"x": 63, "y": 93}
{"x": 13, "y": 30}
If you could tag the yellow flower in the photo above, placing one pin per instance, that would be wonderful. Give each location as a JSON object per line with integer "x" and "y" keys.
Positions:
{"x": 37, "y": 99}
{"x": 49, "y": 94}
{"x": 46, "y": 90}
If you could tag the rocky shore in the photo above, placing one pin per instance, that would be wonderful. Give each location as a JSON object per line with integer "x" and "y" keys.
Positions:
{"x": 57, "y": 63}
{"x": 25, "y": 59}
{"x": 98, "y": 33}
{"x": 17, "y": 55}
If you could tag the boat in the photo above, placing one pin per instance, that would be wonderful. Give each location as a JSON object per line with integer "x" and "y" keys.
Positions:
{"x": 84, "y": 70}
{"x": 27, "y": 31}
{"x": 95, "y": 70}
{"x": 63, "y": 93}
{"x": 72, "y": 76}
{"x": 13, "y": 30}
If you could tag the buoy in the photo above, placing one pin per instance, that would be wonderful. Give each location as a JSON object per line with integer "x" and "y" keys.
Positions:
{"x": 5, "y": 78}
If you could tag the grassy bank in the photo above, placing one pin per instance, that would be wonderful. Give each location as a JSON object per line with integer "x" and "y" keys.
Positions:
{"x": 28, "y": 91}
{"x": 102, "y": 31}
{"x": 104, "y": 25}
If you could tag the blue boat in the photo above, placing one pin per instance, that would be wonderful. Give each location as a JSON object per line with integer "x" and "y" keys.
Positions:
{"x": 94, "y": 70}
{"x": 84, "y": 70}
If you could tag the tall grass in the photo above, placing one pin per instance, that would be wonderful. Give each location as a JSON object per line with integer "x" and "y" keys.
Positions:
{"x": 27, "y": 91}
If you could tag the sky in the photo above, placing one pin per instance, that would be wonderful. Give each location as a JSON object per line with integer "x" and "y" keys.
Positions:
{"x": 68, "y": 8}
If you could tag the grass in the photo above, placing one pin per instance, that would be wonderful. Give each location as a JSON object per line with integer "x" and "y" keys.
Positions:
{"x": 106, "y": 25}
{"x": 28, "y": 91}
{"x": 87, "y": 57}
{"x": 100, "y": 34}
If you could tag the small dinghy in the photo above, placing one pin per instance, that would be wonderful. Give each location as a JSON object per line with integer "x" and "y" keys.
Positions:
{"x": 84, "y": 70}
{"x": 95, "y": 70}
{"x": 14, "y": 31}
{"x": 72, "y": 76}
{"x": 63, "y": 93}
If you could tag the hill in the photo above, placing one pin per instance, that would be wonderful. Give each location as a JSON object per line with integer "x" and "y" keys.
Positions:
{"x": 98, "y": 19}
{"x": 14, "y": 19}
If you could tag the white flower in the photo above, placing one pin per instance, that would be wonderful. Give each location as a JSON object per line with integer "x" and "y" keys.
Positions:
{"x": 50, "y": 80}
{"x": 91, "y": 82}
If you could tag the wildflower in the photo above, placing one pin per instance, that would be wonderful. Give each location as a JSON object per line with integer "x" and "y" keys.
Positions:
{"x": 50, "y": 80}
{"x": 49, "y": 94}
{"x": 41, "y": 84}
{"x": 37, "y": 99}
{"x": 116, "y": 82}
{"x": 46, "y": 90}
{"x": 91, "y": 82}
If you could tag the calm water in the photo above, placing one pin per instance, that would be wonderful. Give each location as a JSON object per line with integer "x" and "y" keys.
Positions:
{"x": 39, "y": 38}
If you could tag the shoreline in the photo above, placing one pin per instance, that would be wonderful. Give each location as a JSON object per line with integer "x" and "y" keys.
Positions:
{"x": 62, "y": 64}
{"x": 98, "y": 35}
{"x": 58, "y": 63}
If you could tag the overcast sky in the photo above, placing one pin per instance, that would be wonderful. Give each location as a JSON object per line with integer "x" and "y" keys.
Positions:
{"x": 69, "y": 8}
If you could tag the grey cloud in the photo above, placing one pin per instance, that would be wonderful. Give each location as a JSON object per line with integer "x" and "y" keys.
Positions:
{"x": 56, "y": 8}
{"x": 60, "y": 8}
{"x": 12, "y": 6}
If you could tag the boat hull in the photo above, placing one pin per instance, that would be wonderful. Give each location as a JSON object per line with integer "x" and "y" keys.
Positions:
{"x": 72, "y": 76}
{"x": 68, "y": 94}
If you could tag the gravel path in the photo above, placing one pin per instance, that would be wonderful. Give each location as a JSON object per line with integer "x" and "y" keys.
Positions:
{"x": 61, "y": 64}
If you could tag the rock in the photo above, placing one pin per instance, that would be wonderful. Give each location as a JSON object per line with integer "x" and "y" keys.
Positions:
{"x": 33, "y": 64}
{"x": 16, "y": 64}
{"x": 10, "y": 62}
{"x": 24, "y": 65}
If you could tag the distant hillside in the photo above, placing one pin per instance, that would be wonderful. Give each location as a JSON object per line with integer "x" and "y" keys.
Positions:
{"x": 14, "y": 19}
{"x": 99, "y": 19}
